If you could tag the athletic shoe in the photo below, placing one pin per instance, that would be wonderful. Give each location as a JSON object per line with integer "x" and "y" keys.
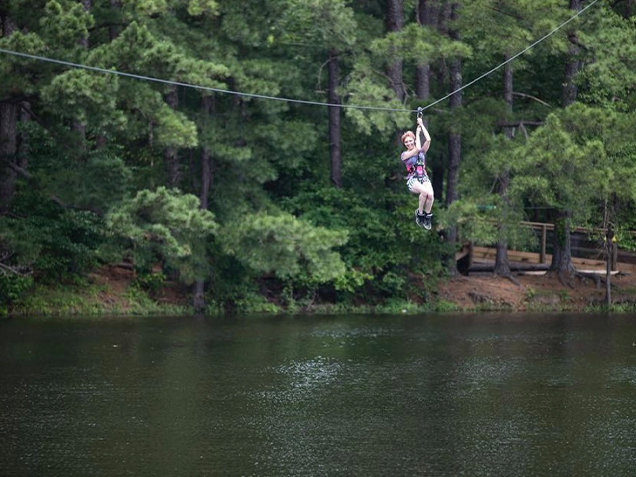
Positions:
{"x": 419, "y": 218}
{"x": 426, "y": 222}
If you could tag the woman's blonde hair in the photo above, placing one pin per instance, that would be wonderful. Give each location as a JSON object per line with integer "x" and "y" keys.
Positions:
{"x": 407, "y": 134}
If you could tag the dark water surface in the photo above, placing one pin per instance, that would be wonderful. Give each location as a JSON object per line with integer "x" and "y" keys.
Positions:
{"x": 475, "y": 395}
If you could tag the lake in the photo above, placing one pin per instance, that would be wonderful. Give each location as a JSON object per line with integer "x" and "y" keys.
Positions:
{"x": 427, "y": 395}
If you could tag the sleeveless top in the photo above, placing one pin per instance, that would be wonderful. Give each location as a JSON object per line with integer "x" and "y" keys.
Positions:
{"x": 416, "y": 165}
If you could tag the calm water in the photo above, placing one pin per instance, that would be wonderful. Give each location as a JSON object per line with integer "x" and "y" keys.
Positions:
{"x": 477, "y": 395}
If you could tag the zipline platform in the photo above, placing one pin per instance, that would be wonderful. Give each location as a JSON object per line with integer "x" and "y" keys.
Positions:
{"x": 474, "y": 258}
{"x": 587, "y": 253}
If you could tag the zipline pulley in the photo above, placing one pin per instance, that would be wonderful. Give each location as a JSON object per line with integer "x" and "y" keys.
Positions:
{"x": 419, "y": 112}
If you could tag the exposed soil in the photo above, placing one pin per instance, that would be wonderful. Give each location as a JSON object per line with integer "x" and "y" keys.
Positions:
{"x": 115, "y": 284}
{"x": 484, "y": 291}
{"x": 536, "y": 292}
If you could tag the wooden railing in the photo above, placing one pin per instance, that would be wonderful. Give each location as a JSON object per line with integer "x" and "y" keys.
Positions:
{"x": 621, "y": 260}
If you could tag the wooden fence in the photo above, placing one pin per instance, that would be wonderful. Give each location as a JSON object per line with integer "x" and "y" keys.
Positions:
{"x": 585, "y": 255}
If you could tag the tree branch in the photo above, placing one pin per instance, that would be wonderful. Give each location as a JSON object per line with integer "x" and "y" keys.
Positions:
{"x": 518, "y": 124}
{"x": 7, "y": 268}
{"x": 524, "y": 95}
{"x": 23, "y": 172}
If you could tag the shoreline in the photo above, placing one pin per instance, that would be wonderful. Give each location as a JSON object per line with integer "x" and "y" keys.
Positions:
{"x": 114, "y": 295}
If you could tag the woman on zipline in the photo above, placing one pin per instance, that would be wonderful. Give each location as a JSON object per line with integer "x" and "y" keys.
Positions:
{"x": 414, "y": 158}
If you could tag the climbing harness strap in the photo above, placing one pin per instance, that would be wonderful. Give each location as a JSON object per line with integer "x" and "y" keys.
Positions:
{"x": 418, "y": 170}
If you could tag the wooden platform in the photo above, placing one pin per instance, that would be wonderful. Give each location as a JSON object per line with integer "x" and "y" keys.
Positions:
{"x": 485, "y": 256}
{"x": 583, "y": 244}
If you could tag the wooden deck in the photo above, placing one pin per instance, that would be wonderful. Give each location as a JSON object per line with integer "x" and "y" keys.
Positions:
{"x": 484, "y": 256}
{"x": 584, "y": 246}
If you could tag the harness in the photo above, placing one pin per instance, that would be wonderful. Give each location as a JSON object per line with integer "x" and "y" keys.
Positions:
{"x": 418, "y": 170}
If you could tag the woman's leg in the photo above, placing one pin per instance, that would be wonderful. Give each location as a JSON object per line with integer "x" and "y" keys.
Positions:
{"x": 425, "y": 192}
{"x": 430, "y": 197}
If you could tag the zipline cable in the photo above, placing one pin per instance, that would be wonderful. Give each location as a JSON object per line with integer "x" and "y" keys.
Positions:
{"x": 189, "y": 85}
{"x": 509, "y": 59}
{"x": 289, "y": 100}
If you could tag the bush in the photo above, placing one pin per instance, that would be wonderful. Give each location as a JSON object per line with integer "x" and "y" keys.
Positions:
{"x": 53, "y": 241}
{"x": 13, "y": 286}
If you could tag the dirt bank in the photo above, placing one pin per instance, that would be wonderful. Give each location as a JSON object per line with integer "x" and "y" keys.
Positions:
{"x": 536, "y": 292}
{"x": 475, "y": 292}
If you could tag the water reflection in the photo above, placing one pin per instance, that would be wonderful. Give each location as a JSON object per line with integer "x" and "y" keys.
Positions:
{"x": 393, "y": 395}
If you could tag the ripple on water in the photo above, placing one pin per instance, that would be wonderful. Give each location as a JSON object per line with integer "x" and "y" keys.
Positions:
{"x": 622, "y": 375}
{"x": 302, "y": 379}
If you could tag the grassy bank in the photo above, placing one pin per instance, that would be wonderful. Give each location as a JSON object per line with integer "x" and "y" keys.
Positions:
{"x": 117, "y": 293}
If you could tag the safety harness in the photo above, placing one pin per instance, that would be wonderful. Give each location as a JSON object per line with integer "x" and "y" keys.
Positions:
{"x": 419, "y": 168}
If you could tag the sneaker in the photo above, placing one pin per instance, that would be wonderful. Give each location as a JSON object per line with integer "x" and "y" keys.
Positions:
{"x": 427, "y": 221}
{"x": 419, "y": 218}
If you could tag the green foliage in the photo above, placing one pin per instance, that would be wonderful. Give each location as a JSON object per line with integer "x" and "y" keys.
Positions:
{"x": 285, "y": 246}
{"x": 84, "y": 95}
{"x": 476, "y": 224}
{"x": 105, "y": 180}
{"x": 13, "y": 286}
{"x": 54, "y": 241}
{"x": 148, "y": 7}
{"x": 93, "y": 141}
{"x": 384, "y": 245}
{"x": 64, "y": 22}
{"x": 609, "y": 76}
{"x": 14, "y": 70}
{"x": 328, "y": 22}
{"x": 351, "y": 281}
{"x": 168, "y": 227}
{"x": 203, "y": 7}
{"x": 151, "y": 281}
{"x": 365, "y": 88}
{"x": 423, "y": 45}
{"x": 565, "y": 160}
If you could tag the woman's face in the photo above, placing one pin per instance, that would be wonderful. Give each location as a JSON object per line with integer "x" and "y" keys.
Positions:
{"x": 409, "y": 143}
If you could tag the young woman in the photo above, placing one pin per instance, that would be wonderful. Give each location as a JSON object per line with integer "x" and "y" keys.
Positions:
{"x": 417, "y": 181}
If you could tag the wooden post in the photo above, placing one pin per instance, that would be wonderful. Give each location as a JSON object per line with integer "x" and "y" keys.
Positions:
{"x": 544, "y": 233}
{"x": 608, "y": 277}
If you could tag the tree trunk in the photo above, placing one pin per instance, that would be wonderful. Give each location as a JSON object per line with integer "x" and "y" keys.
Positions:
{"x": 334, "y": 120}
{"x": 8, "y": 137}
{"x": 395, "y": 22}
{"x": 115, "y": 29}
{"x": 8, "y": 150}
{"x": 609, "y": 249}
{"x": 502, "y": 265}
{"x": 561, "y": 255}
{"x": 454, "y": 141}
{"x": 88, "y": 4}
{"x": 78, "y": 126}
{"x": 170, "y": 156}
{"x": 198, "y": 296}
{"x": 427, "y": 13}
{"x": 22, "y": 147}
{"x": 207, "y": 177}
{"x": 573, "y": 63}
{"x": 207, "y": 169}
{"x": 437, "y": 181}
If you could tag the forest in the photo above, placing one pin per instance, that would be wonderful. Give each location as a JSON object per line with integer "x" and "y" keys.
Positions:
{"x": 250, "y": 150}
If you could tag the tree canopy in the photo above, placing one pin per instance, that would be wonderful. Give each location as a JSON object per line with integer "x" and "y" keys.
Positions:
{"x": 233, "y": 191}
